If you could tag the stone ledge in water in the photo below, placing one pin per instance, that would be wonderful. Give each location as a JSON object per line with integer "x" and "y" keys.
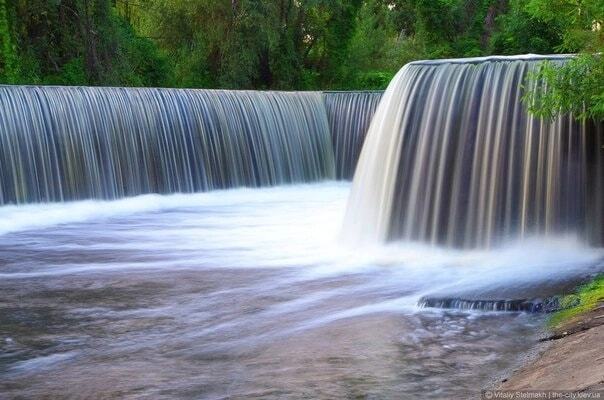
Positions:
{"x": 537, "y": 305}
{"x": 533, "y": 297}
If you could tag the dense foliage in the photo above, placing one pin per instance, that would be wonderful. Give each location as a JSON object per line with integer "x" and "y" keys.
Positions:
{"x": 577, "y": 86}
{"x": 74, "y": 42}
{"x": 587, "y": 298}
{"x": 290, "y": 44}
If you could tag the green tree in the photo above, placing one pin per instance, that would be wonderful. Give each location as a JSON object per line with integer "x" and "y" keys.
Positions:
{"x": 9, "y": 68}
{"x": 280, "y": 44}
{"x": 520, "y": 32}
{"x": 576, "y": 86}
{"x": 287, "y": 44}
{"x": 74, "y": 42}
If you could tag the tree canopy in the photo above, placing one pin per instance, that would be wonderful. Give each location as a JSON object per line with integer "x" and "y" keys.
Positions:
{"x": 577, "y": 86}
{"x": 293, "y": 44}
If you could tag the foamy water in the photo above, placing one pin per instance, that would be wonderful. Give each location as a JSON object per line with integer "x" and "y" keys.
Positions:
{"x": 291, "y": 226}
{"x": 249, "y": 293}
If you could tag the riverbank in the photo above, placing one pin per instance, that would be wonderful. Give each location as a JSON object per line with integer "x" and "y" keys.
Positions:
{"x": 572, "y": 357}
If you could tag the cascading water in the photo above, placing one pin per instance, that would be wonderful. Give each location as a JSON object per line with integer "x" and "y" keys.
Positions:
{"x": 349, "y": 114}
{"x": 60, "y": 143}
{"x": 453, "y": 158}
{"x": 232, "y": 293}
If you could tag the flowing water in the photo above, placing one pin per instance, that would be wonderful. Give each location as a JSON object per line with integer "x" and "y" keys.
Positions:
{"x": 453, "y": 158}
{"x": 246, "y": 293}
{"x": 349, "y": 115}
{"x": 62, "y": 143}
{"x": 125, "y": 273}
{"x": 65, "y": 143}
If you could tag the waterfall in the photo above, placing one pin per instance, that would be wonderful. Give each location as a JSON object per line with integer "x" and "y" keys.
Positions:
{"x": 67, "y": 143}
{"x": 349, "y": 114}
{"x": 452, "y": 158}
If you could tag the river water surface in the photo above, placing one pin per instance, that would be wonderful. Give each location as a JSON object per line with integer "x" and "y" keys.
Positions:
{"x": 249, "y": 294}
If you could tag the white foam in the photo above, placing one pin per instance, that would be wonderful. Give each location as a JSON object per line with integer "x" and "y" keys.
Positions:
{"x": 292, "y": 227}
{"x": 16, "y": 218}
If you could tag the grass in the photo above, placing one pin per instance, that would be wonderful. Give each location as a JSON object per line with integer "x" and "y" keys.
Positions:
{"x": 586, "y": 298}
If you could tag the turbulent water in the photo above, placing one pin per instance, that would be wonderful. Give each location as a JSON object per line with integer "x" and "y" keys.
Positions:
{"x": 246, "y": 293}
{"x": 453, "y": 158}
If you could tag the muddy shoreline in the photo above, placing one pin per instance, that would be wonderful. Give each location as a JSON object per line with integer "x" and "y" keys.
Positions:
{"x": 569, "y": 357}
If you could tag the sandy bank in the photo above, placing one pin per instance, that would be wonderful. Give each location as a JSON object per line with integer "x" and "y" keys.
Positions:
{"x": 574, "y": 360}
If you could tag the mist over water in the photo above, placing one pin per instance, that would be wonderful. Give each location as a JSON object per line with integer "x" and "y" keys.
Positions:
{"x": 288, "y": 226}
{"x": 249, "y": 293}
